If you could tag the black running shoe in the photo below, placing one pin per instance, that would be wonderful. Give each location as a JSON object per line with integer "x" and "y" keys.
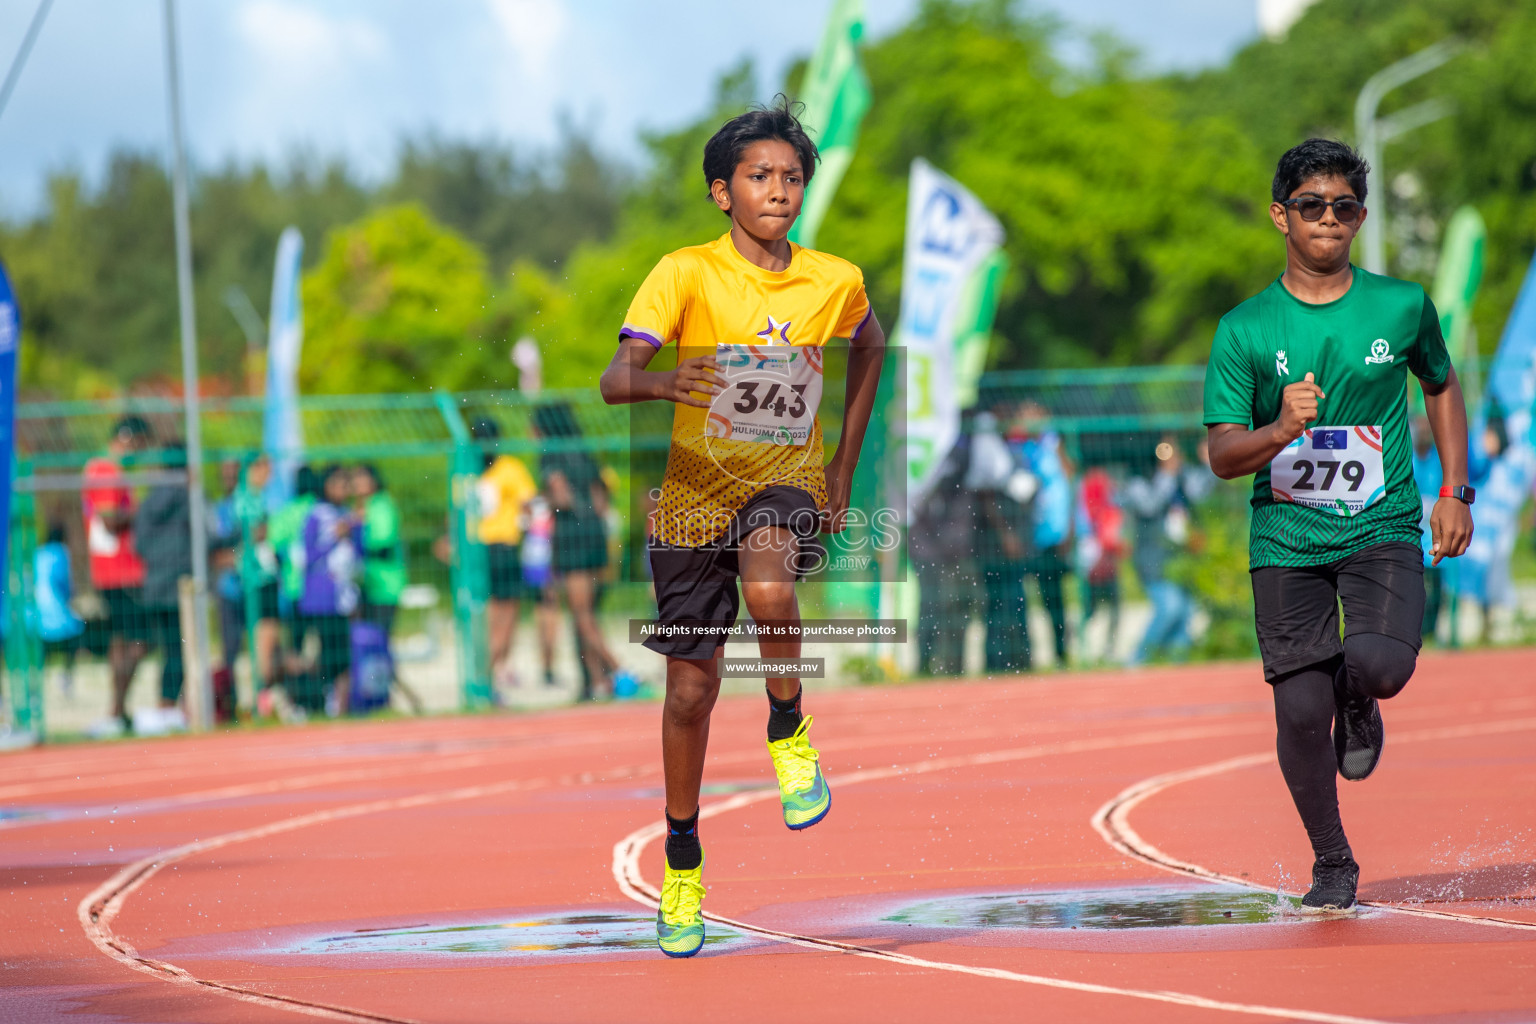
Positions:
{"x": 1358, "y": 735}
{"x": 1334, "y": 879}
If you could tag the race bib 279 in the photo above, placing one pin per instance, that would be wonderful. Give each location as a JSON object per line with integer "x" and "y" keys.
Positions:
{"x": 1332, "y": 469}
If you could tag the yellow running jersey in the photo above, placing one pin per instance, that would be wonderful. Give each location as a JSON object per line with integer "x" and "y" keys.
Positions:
{"x": 503, "y": 489}
{"x": 707, "y": 296}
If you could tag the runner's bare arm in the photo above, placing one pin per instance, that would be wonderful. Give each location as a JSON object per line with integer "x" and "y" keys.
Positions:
{"x": 1237, "y": 451}
{"x": 1450, "y": 523}
{"x": 865, "y": 356}
{"x": 627, "y": 380}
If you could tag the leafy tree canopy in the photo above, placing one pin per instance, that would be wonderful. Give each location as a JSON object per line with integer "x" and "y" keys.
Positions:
{"x": 1134, "y": 206}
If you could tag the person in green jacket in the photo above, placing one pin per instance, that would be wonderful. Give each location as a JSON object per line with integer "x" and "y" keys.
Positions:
{"x": 256, "y": 567}
{"x": 285, "y": 527}
{"x": 383, "y": 552}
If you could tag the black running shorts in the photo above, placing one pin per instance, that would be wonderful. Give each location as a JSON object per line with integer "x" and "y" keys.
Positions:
{"x": 1297, "y": 609}
{"x": 696, "y": 587}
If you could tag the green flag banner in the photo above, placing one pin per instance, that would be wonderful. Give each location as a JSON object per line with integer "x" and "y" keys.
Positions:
{"x": 836, "y": 97}
{"x": 1456, "y": 281}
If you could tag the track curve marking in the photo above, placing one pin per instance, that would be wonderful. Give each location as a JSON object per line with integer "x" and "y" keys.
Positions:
{"x": 626, "y": 872}
{"x": 1112, "y": 821}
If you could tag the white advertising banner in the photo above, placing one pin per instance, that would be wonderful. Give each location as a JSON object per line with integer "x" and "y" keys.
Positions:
{"x": 952, "y": 268}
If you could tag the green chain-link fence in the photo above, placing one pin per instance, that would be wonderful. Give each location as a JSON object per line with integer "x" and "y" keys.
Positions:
{"x": 425, "y": 449}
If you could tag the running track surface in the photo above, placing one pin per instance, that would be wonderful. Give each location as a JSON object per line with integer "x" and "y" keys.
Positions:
{"x": 496, "y": 868}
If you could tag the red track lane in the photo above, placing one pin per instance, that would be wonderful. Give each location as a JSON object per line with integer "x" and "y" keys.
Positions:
{"x": 264, "y": 875}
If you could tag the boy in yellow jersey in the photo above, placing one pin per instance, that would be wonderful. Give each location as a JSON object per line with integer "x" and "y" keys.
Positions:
{"x": 503, "y": 492}
{"x": 746, "y": 488}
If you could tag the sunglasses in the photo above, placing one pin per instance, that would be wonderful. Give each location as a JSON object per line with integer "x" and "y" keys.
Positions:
{"x": 1311, "y": 208}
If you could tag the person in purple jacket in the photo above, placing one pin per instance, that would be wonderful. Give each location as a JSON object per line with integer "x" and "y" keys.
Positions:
{"x": 330, "y": 541}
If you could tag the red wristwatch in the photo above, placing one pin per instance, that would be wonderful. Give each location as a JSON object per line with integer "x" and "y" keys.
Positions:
{"x": 1464, "y": 493}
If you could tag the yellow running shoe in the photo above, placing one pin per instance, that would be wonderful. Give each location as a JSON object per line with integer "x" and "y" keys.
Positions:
{"x": 679, "y": 924}
{"x": 803, "y": 790}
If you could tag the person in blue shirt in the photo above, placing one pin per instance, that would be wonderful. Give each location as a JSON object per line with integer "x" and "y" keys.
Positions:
{"x": 57, "y": 624}
{"x": 1489, "y": 583}
{"x": 1041, "y": 452}
{"x": 1426, "y": 477}
{"x": 1160, "y": 513}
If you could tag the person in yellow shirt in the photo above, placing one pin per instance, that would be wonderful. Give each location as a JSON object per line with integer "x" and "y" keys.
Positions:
{"x": 503, "y": 492}
{"x": 747, "y": 487}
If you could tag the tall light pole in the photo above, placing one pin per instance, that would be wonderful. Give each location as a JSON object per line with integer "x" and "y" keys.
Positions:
{"x": 1373, "y": 133}
{"x": 199, "y": 677}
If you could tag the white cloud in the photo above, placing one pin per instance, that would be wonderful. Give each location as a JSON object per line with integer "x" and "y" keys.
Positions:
{"x": 533, "y": 29}
{"x": 301, "y": 37}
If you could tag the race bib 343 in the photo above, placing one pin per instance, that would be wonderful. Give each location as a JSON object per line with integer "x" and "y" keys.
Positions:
{"x": 769, "y": 393}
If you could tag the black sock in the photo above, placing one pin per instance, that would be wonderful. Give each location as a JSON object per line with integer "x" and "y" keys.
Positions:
{"x": 783, "y": 716}
{"x": 683, "y": 850}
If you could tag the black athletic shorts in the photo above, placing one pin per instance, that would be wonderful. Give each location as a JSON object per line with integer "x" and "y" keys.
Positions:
{"x": 506, "y": 568}
{"x": 126, "y": 614}
{"x": 1297, "y": 609}
{"x": 267, "y": 605}
{"x": 696, "y": 587}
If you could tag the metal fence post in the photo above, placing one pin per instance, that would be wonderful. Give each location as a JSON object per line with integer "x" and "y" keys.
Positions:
{"x": 469, "y": 571}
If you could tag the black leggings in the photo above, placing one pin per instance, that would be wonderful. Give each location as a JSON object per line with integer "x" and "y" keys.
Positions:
{"x": 1373, "y": 665}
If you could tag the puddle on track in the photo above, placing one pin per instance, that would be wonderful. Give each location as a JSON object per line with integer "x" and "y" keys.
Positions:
{"x": 1103, "y": 909}
{"x": 560, "y": 935}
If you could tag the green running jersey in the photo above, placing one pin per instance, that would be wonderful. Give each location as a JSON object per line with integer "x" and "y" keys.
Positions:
{"x": 1348, "y": 482}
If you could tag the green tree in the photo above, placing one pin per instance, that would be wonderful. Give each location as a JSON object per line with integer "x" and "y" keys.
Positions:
{"x": 395, "y": 304}
{"x": 534, "y": 210}
{"x": 1304, "y": 85}
{"x": 1131, "y": 230}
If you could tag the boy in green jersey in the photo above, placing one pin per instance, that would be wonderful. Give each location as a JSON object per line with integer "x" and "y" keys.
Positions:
{"x": 1305, "y": 389}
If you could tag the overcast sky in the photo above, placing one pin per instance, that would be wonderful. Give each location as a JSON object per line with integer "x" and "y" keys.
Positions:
{"x": 263, "y": 77}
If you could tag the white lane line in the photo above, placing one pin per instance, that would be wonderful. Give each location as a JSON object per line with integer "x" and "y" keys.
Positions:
{"x": 282, "y": 785}
{"x": 274, "y": 761}
{"x": 101, "y": 906}
{"x": 626, "y": 872}
{"x": 1112, "y": 821}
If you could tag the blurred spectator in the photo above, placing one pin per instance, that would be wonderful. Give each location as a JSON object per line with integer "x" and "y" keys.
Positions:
{"x": 285, "y": 532}
{"x": 1041, "y": 452}
{"x": 1161, "y": 514}
{"x": 57, "y": 625}
{"x": 117, "y": 571}
{"x": 384, "y": 574}
{"x": 1002, "y": 519}
{"x": 329, "y": 551}
{"x": 1492, "y": 587}
{"x": 1100, "y": 549}
{"x": 257, "y": 566}
{"x": 574, "y": 486}
{"x": 224, "y": 532}
{"x": 503, "y": 492}
{"x": 941, "y": 555}
{"x": 1199, "y": 479}
{"x": 163, "y": 530}
{"x": 1426, "y": 477}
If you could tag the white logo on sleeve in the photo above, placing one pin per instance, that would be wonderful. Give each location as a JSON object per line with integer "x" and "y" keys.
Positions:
{"x": 1381, "y": 352}
{"x": 1282, "y": 368}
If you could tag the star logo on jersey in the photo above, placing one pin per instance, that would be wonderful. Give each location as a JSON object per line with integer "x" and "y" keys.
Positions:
{"x": 1282, "y": 367}
{"x": 1381, "y": 352}
{"x": 774, "y": 327}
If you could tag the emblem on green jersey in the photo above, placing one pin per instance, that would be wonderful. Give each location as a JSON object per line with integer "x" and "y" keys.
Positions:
{"x": 1282, "y": 368}
{"x": 1381, "y": 352}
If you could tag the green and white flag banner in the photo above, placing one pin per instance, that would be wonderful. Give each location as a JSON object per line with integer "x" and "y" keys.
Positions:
{"x": 1457, "y": 278}
{"x": 836, "y": 96}
{"x": 953, "y": 270}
